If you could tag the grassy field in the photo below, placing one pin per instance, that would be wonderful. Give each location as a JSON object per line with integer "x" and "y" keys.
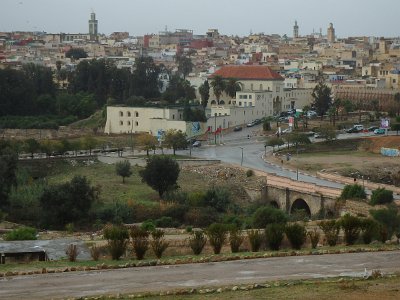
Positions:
{"x": 112, "y": 188}
{"x": 337, "y": 288}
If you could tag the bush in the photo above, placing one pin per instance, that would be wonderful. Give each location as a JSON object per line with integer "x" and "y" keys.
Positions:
{"x": 353, "y": 191}
{"x": 148, "y": 225}
{"x": 72, "y": 252}
{"x": 117, "y": 238}
{"x": 235, "y": 239}
{"x": 369, "y": 229}
{"x": 201, "y": 216}
{"x": 255, "y": 239}
{"x": 314, "y": 237}
{"x": 274, "y": 235}
{"x": 249, "y": 173}
{"x": 388, "y": 218}
{"x": 158, "y": 243}
{"x": 331, "y": 230}
{"x": 268, "y": 215}
{"x": 140, "y": 241}
{"x": 218, "y": 198}
{"x": 70, "y": 228}
{"x": 381, "y": 196}
{"x": 351, "y": 226}
{"x": 166, "y": 222}
{"x": 21, "y": 234}
{"x": 197, "y": 241}
{"x": 296, "y": 235}
{"x": 95, "y": 252}
{"x": 216, "y": 234}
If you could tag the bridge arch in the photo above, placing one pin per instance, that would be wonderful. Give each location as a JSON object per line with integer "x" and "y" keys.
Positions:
{"x": 300, "y": 205}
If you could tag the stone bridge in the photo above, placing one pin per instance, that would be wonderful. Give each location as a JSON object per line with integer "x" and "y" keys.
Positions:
{"x": 290, "y": 195}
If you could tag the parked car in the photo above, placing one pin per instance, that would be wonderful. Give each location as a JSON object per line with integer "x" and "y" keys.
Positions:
{"x": 380, "y": 131}
{"x": 196, "y": 144}
{"x": 237, "y": 128}
{"x": 352, "y": 130}
{"x": 251, "y": 124}
{"x": 372, "y": 128}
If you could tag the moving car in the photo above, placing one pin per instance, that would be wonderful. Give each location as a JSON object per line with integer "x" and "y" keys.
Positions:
{"x": 379, "y": 131}
{"x": 372, "y": 128}
{"x": 237, "y": 128}
{"x": 196, "y": 144}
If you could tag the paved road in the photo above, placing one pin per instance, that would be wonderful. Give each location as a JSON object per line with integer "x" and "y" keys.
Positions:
{"x": 162, "y": 278}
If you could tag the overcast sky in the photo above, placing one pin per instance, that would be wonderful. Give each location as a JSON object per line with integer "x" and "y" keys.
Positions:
{"x": 232, "y": 17}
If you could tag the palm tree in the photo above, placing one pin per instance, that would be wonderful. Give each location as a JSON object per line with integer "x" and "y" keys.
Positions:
{"x": 218, "y": 85}
{"x": 231, "y": 87}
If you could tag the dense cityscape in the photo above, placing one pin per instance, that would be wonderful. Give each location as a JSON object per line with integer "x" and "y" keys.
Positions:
{"x": 189, "y": 163}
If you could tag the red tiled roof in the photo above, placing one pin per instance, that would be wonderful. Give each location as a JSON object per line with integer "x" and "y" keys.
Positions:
{"x": 247, "y": 72}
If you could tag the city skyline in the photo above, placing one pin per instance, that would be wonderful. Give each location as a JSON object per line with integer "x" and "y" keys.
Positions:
{"x": 230, "y": 17}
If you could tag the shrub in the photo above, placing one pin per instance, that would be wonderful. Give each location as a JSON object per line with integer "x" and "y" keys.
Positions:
{"x": 189, "y": 229}
{"x": 353, "y": 191}
{"x": 331, "y": 231}
{"x": 148, "y": 225}
{"x": 197, "y": 241}
{"x": 140, "y": 241}
{"x": 201, "y": 216}
{"x": 166, "y": 222}
{"x": 72, "y": 252}
{"x": 21, "y": 234}
{"x": 268, "y": 215}
{"x": 158, "y": 243}
{"x": 274, "y": 235}
{"x": 70, "y": 228}
{"x": 369, "y": 229}
{"x": 388, "y": 218}
{"x": 249, "y": 173}
{"x": 381, "y": 196}
{"x": 383, "y": 233}
{"x": 218, "y": 198}
{"x": 117, "y": 238}
{"x": 235, "y": 239}
{"x": 314, "y": 237}
{"x": 296, "y": 235}
{"x": 255, "y": 239}
{"x": 216, "y": 234}
{"x": 351, "y": 226}
{"x": 95, "y": 252}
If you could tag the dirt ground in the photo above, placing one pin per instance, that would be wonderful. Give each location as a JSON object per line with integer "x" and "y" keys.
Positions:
{"x": 366, "y": 161}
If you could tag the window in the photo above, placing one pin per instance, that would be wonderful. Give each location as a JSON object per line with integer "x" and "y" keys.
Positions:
{"x": 173, "y": 117}
{"x": 136, "y": 114}
{"x": 121, "y": 114}
{"x": 136, "y": 123}
{"x": 121, "y": 123}
{"x": 129, "y": 123}
{"x": 250, "y": 96}
{"x": 240, "y": 103}
{"x": 261, "y": 87}
{"x": 251, "y": 87}
{"x": 129, "y": 113}
{"x": 250, "y": 104}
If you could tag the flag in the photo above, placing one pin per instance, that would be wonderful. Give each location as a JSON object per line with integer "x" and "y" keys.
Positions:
{"x": 208, "y": 129}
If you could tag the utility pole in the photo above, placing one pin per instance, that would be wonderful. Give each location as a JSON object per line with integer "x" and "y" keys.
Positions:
{"x": 215, "y": 128}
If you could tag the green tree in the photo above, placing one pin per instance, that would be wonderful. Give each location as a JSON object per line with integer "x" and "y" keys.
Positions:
{"x": 388, "y": 218}
{"x": 274, "y": 141}
{"x": 351, "y": 226}
{"x": 217, "y": 234}
{"x": 117, "y": 237}
{"x": 31, "y": 146}
{"x": 8, "y": 166}
{"x": 185, "y": 65}
{"x": 218, "y": 85}
{"x": 76, "y": 53}
{"x": 327, "y": 132}
{"x": 145, "y": 80}
{"x": 175, "y": 139}
{"x": 267, "y": 215}
{"x": 381, "y": 196}
{"x": 396, "y": 127}
{"x": 148, "y": 142}
{"x": 231, "y": 87}
{"x": 123, "y": 169}
{"x": 88, "y": 143}
{"x": 161, "y": 173}
{"x": 322, "y": 98}
{"x": 67, "y": 203}
{"x": 397, "y": 100}
{"x": 204, "y": 91}
{"x": 298, "y": 139}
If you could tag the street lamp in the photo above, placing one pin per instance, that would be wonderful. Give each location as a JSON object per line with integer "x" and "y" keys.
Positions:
{"x": 215, "y": 128}
{"x": 241, "y": 161}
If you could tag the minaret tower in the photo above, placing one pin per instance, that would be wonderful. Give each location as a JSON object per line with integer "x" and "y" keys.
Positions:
{"x": 295, "y": 30}
{"x": 93, "y": 27}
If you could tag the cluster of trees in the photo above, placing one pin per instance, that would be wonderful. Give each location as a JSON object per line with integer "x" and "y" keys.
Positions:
{"x": 94, "y": 83}
{"x": 219, "y": 85}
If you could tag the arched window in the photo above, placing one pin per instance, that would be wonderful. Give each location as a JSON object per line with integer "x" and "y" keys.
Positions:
{"x": 121, "y": 114}
{"x": 136, "y": 114}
